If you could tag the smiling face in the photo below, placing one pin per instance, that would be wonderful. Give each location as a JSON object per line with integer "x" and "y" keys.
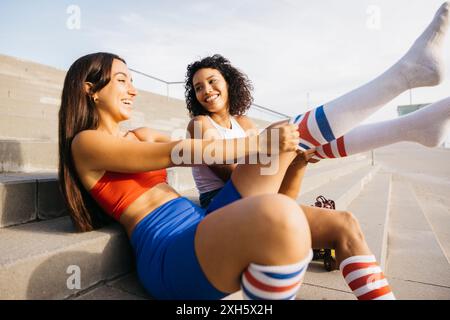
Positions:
{"x": 117, "y": 97}
{"x": 211, "y": 90}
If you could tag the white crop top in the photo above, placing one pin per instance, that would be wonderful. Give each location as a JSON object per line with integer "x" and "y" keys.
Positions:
{"x": 205, "y": 179}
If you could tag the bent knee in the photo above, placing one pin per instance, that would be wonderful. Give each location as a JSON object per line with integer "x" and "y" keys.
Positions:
{"x": 284, "y": 224}
{"x": 351, "y": 225}
{"x": 284, "y": 213}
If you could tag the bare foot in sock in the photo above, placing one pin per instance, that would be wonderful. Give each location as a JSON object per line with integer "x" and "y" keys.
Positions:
{"x": 429, "y": 126}
{"x": 423, "y": 64}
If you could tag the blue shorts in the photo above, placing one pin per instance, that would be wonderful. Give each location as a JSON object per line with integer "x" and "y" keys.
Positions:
{"x": 163, "y": 243}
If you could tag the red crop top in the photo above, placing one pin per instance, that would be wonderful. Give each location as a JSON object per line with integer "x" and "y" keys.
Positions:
{"x": 115, "y": 191}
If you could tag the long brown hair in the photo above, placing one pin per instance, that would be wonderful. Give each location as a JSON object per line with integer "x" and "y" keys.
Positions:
{"x": 78, "y": 113}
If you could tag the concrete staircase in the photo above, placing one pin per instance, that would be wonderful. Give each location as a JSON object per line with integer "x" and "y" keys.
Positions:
{"x": 402, "y": 205}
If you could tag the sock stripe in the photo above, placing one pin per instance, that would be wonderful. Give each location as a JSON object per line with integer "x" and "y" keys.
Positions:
{"x": 304, "y": 146}
{"x": 298, "y": 118}
{"x": 261, "y": 292}
{"x": 388, "y": 296}
{"x": 304, "y": 130}
{"x": 359, "y": 259}
{"x": 281, "y": 276}
{"x": 334, "y": 149}
{"x": 358, "y": 265}
{"x": 327, "y": 150}
{"x": 341, "y": 146}
{"x": 319, "y": 155}
{"x": 372, "y": 286}
{"x": 261, "y": 277}
{"x": 251, "y": 296}
{"x": 324, "y": 125}
{"x": 274, "y": 282}
{"x": 262, "y": 286}
{"x": 375, "y": 293}
{"x": 361, "y": 272}
{"x": 364, "y": 280}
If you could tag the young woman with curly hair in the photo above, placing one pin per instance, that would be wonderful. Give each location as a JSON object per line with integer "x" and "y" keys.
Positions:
{"x": 328, "y": 131}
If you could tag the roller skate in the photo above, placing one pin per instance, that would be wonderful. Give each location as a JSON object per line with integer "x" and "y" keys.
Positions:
{"x": 327, "y": 255}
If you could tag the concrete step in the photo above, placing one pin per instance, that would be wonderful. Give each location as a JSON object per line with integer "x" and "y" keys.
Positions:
{"x": 125, "y": 287}
{"x": 44, "y": 108}
{"x": 14, "y": 87}
{"x": 342, "y": 191}
{"x": 432, "y": 195}
{"x": 348, "y": 192}
{"x": 23, "y": 127}
{"x": 30, "y": 70}
{"x": 26, "y": 99}
{"x": 372, "y": 208}
{"x": 48, "y": 260}
{"x": 29, "y": 197}
{"x": 415, "y": 259}
{"x": 28, "y": 155}
{"x": 317, "y": 175}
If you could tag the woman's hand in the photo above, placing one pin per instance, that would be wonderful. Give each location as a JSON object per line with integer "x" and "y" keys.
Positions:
{"x": 279, "y": 137}
{"x": 304, "y": 157}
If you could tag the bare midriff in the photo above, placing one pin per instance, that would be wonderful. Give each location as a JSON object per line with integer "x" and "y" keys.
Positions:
{"x": 145, "y": 204}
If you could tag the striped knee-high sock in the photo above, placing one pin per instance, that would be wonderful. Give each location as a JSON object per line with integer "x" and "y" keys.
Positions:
{"x": 273, "y": 282}
{"x": 421, "y": 66}
{"x": 428, "y": 126}
{"x": 365, "y": 278}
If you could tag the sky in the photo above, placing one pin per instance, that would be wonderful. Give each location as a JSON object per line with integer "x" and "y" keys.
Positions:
{"x": 298, "y": 54}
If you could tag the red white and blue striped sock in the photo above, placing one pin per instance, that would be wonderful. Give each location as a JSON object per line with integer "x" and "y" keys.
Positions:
{"x": 428, "y": 126}
{"x": 365, "y": 278}
{"x": 421, "y": 66}
{"x": 260, "y": 282}
{"x": 314, "y": 128}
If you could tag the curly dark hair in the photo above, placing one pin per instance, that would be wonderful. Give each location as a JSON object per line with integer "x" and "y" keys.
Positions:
{"x": 239, "y": 86}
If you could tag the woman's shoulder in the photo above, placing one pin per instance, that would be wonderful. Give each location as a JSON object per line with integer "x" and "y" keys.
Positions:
{"x": 86, "y": 136}
{"x": 245, "y": 122}
{"x": 201, "y": 120}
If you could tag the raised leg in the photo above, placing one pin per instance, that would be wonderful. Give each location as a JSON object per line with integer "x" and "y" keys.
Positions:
{"x": 421, "y": 66}
{"x": 429, "y": 126}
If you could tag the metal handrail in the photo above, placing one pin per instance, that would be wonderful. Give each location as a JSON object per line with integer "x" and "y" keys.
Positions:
{"x": 271, "y": 111}
{"x": 181, "y": 82}
{"x": 155, "y": 78}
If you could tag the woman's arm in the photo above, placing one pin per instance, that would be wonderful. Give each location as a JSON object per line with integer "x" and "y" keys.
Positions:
{"x": 223, "y": 171}
{"x": 150, "y": 135}
{"x": 101, "y": 151}
{"x": 295, "y": 173}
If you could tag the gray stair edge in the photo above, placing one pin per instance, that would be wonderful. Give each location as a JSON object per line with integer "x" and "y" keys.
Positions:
{"x": 381, "y": 252}
{"x": 343, "y": 201}
{"x": 385, "y": 243}
{"x": 35, "y": 276}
